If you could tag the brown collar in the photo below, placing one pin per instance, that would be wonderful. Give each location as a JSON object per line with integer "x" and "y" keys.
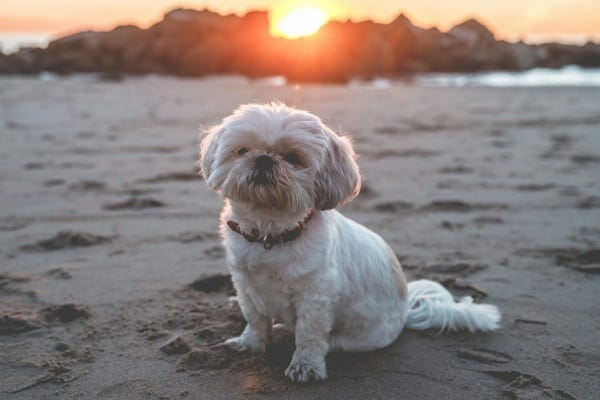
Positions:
{"x": 270, "y": 240}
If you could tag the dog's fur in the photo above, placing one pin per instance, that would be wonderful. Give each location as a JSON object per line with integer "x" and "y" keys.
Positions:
{"x": 338, "y": 286}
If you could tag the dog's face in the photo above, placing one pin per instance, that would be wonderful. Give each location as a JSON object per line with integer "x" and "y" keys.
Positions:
{"x": 273, "y": 156}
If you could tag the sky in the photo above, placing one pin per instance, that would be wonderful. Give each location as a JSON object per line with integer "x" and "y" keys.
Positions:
{"x": 531, "y": 20}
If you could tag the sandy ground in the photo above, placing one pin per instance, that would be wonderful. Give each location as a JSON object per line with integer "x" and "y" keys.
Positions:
{"x": 109, "y": 261}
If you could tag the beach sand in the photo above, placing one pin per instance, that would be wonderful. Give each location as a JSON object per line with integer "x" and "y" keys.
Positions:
{"x": 112, "y": 277}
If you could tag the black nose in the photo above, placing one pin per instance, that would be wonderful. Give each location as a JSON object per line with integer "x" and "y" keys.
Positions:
{"x": 263, "y": 162}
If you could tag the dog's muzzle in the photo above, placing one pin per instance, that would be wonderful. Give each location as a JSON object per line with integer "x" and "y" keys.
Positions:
{"x": 262, "y": 173}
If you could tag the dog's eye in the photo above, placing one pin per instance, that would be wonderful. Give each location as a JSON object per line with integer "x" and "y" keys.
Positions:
{"x": 242, "y": 151}
{"x": 292, "y": 158}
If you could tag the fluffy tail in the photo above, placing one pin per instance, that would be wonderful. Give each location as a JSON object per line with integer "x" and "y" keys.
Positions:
{"x": 432, "y": 306}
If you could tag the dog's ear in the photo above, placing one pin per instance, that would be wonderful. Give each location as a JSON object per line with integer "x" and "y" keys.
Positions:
{"x": 209, "y": 148}
{"x": 338, "y": 180}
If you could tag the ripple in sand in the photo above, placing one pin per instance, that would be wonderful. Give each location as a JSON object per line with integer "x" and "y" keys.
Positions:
{"x": 189, "y": 237}
{"x": 12, "y": 224}
{"x": 173, "y": 177}
{"x": 215, "y": 252}
{"x": 588, "y": 202}
{"x": 134, "y": 203}
{"x": 66, "y": 240}
{"x": 54, "y": 182}
{"x": 585, "y": 158}
{"x": 488, "y": 220}
{"x": 584, "y": 260}
{"x": 59, "y": 273}
{"x": 458, "y": 169}
{"x": 461, "y": 268}
{"x": 460, "y": 206}
{"x": 410, "y": 153}
{"x": 7, "y": 278}
{"x": 388, "y": 130}
{"x": 535, "y": 187}
{"x": 393, "y": 206}
{"x": 451, "y": 226}
{"x": 87, "y": 186}
{"x": 213, "y": 283}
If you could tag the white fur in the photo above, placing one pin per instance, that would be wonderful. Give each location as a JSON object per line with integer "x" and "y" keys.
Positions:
{"x": 431, "y": 305}
{"x": 338, "y": 286}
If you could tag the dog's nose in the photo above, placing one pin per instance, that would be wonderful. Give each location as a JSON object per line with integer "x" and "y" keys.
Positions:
{"x": 263, "y": 162}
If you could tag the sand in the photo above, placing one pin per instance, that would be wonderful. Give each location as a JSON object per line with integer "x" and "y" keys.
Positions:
{"x": 112, "y": 278}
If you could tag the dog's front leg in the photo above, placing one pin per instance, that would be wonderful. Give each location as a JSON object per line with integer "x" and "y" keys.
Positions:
{"x": 314, "y": 318}
{"x": 257, "y": 332}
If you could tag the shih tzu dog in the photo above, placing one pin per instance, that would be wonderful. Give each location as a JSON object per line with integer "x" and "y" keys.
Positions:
{"x": 297, "y": 261}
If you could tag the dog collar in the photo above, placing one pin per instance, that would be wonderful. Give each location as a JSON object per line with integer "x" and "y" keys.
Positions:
{"x": 269, "y": 240}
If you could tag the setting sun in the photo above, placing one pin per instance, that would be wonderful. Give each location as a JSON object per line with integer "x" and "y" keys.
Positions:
{"x": 299, "y": 22}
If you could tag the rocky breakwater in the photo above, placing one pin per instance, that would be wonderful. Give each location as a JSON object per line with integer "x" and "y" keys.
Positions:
{"x": 199, "y": 43}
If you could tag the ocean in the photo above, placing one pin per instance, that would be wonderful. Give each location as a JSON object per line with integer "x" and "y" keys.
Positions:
{"x": 571, "y": 75}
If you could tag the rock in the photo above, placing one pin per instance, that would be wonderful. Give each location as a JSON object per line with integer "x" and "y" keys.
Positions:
{"x": 73, "y": 53}
{"x": 472, "y": 32}
{"x": 7, "y": 65}
{"x": 200, "y": 42}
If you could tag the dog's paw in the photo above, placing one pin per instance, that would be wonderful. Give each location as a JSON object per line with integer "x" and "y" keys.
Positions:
{"x": 246, "y": 344}
{"x": 306, "y": 370}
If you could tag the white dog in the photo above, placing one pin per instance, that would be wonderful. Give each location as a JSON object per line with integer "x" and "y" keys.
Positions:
{"x": 295, "y": 260}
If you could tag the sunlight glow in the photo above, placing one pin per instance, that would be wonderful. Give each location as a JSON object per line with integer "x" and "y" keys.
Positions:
{"x": 302, "y": 21}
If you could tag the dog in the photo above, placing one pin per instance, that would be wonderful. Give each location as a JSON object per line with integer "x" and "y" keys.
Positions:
{"x": 294, "y": 259}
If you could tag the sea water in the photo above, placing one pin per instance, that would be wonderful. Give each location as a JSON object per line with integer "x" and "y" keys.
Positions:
{"x": 571, "y": 75}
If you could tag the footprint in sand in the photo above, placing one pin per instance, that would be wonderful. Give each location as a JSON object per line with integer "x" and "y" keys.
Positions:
{"x": 65, "y": 313}
{"x": 581, "y": 360}
{"x": 520, "y": 385}
{"x": 531, "y": 327}
{"x": 13, "y": 322}
{"x": 484, "y": 355}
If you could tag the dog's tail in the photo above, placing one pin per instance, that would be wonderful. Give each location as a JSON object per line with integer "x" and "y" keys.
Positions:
{"x": 430, "y": 305}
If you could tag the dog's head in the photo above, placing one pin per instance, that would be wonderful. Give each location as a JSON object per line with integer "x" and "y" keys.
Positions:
{"x": 274, "y": 156}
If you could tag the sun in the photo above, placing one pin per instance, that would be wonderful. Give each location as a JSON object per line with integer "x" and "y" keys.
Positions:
{"x": 298, "y": 22}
